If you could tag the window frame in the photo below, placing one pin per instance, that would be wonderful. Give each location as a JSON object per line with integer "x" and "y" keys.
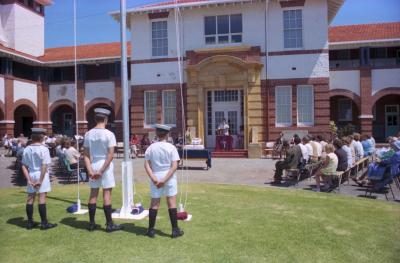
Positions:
{"x": 216, "y": 35}
{"x": 145, "y": 124}
{"x": 151, "y": 37}
{"x": 305, "y": 124}
{"x": 284, "y": 124}
{"x": 302, "y": 28}
{"x": 163, "y": 108}
{"x": 351, "y": 109}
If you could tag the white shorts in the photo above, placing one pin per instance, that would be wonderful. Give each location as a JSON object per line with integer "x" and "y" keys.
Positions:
{"x": 106, "y": 180}
{"x": 169, "y": 189}
{"x": 44, "y": 188}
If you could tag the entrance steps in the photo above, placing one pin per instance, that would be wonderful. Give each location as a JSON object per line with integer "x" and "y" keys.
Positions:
{"x": 235, "y": 153}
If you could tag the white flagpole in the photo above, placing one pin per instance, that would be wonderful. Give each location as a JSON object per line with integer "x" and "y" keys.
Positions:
{"x": 127, "y": 171}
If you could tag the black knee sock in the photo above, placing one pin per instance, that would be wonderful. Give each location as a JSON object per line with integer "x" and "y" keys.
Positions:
{"x": 173, "y": 217}
{"x": 107, "y": 213}
{"x": 152, "y": 217}
{"x": 29, "y": 212}
{"x": 43, "y": 213}
{"x": 92, "y": 212}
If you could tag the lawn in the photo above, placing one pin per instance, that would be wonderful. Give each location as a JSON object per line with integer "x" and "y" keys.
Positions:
{"x": 230, "y": 224}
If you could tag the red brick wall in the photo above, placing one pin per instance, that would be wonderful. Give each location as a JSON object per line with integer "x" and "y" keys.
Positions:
{"x": 137, "y": 106}
{"x": 321, "y": 106}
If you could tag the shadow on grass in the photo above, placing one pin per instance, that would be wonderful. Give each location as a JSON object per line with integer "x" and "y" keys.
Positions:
{"x": 192, "y": 168}
{"x": 69, "y": 201}
{"x": 140, "y": 230}
{"x": 78, "y": 224}
{"x": 18, "y": 221}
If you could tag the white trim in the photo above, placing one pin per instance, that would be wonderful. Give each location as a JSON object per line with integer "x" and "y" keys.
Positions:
{"x": 118, "y": 121}
{"x": 305, "y": 124}
{"x": 7, "y": 122}
{"x": 42, "y": 122}
{"x": 285, "y": 124}
{"x": 364, "y": 41}
{"x": 365, "y": 116}
{"x": 82, "y": 122}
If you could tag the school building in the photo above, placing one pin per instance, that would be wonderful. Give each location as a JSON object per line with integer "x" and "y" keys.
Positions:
{"x": 267, "y": 66}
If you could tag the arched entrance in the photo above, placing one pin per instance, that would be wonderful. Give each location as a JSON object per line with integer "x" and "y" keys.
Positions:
{"x": 386, "y": 112}
{"x": 64, "y": 120}
{"x": 344, "y": 112}
{"x": 90, "y": 116}
{"x": 24, "y": 116}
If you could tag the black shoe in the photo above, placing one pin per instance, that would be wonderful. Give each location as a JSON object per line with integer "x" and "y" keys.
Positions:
{"x": 47, "y": 226}
{"x": 151, "y": 232}
{"x": 113, "y": 227}
{"x": 92, "y": 227}
{"x": 31, "y": 225}
{"x": 176, "y": 232}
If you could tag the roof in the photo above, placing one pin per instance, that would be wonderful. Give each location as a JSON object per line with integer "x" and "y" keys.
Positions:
{"x": 364, "y": 32}
{"x": 333, "y": 6}
{"x": 84, "y": 52}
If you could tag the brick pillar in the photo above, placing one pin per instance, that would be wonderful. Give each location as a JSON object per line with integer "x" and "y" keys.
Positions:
{"x": 43, "y": 120}
{"x": 118, "y": 110}
{"x": 81, "y": 118}
{"x": 366, "y": 116}
{"x": 7, "y": 125}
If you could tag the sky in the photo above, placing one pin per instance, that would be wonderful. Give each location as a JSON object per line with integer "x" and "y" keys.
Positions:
{"x": 95, "y": 25}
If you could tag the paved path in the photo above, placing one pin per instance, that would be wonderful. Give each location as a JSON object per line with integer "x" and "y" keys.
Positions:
{"x": 225, "y": 171}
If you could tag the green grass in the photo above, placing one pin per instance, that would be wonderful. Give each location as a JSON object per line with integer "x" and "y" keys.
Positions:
{"x": 230, "y": 224}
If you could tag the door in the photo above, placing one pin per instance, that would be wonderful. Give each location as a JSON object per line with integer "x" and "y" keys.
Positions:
{"x": 68, "y": 124}
{"x": 391, "y": 120}
{"x": 223, "y": 104}
{"x": 27, "y": 124}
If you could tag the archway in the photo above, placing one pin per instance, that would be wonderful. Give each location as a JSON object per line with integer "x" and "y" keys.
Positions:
{"x": 344, "y": 111}
{"x": 386, "y": 111}
{"x": 64, "y": 120}
{"x": 24, "y": 116}
{"x": 90, "y": 116}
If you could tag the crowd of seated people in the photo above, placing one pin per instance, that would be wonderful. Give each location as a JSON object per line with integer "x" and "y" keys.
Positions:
{"x": 337, "y": 156}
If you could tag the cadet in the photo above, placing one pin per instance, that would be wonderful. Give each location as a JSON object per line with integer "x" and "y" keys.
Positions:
{"x": 35, "y": 161}
{"x": 161, "y": 162}
{"x": 99, "y": 153}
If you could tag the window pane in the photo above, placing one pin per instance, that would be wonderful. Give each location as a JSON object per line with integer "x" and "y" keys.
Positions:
{"x": 236, "y": 23}
{"x": 210, "y": 40}
{"x": 209, "y": 25}
{"x": 150, "y": 107}
{"x": 169, "y": 107}
{"x": 223, "y": 24}
{"x": 292, "y": 24}
{"x": 236, "y": 39}
{"x": 159, "y": 38}
{"x": 305, "y": 105}
{"x": 223, "y": 39}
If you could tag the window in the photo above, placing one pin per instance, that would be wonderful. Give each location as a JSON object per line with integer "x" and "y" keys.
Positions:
{"x": 150, "y": 107}
{"x": 345, "y": 110}
{"x": 159, "y": 37}
{"x": 223, "y": 29}
{"x": 226, "y": 95}
{"x": 169, "y": 107}
{"x": 305, "y": 105}
{"x": 283, "y": 107}
{"x": 293, "y": 28}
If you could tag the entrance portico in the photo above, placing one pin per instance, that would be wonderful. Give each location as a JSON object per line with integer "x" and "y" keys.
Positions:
{"x": 223, "y": 85}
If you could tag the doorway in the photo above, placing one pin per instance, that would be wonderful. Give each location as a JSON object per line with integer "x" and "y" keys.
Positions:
{"x": 391, "y": 120}
{"x": 228, "y": 105}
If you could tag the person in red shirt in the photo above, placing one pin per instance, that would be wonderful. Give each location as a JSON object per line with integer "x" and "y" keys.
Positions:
{"x": 134, "y": 145}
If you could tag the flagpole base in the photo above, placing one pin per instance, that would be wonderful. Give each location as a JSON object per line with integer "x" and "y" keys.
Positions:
{"x": 118, "y": 214}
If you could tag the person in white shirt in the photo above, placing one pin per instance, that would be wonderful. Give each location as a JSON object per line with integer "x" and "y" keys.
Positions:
{"x": 161, "y": 162}
{"x": 304, "y": 150}
{"x": 317, "y": 147}
{"x": 99, "y": 146}
{"x": 306, "y": 142}
{"x": 321, "y": 140}
{"x": 224, "y": 127}
{"x": 358, "y": 148}
{"x": 346, "y": 147}
{"x": 35, "y": 162}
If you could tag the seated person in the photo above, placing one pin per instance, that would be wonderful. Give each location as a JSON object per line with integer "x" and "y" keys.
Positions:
{"x": 341, "y": 155}
{"x": 145, "y": 142}
{"x": 71, "y": 154}
{"x": 179, "y": 141}
{"x": 134, "y": 145}
{"x": 329, "y": 167}
{"x": 358, "y": 148}
{"x": 367, "y": 145}
{"x": 292, "y": 160}
{"x": 346, "y": 147}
